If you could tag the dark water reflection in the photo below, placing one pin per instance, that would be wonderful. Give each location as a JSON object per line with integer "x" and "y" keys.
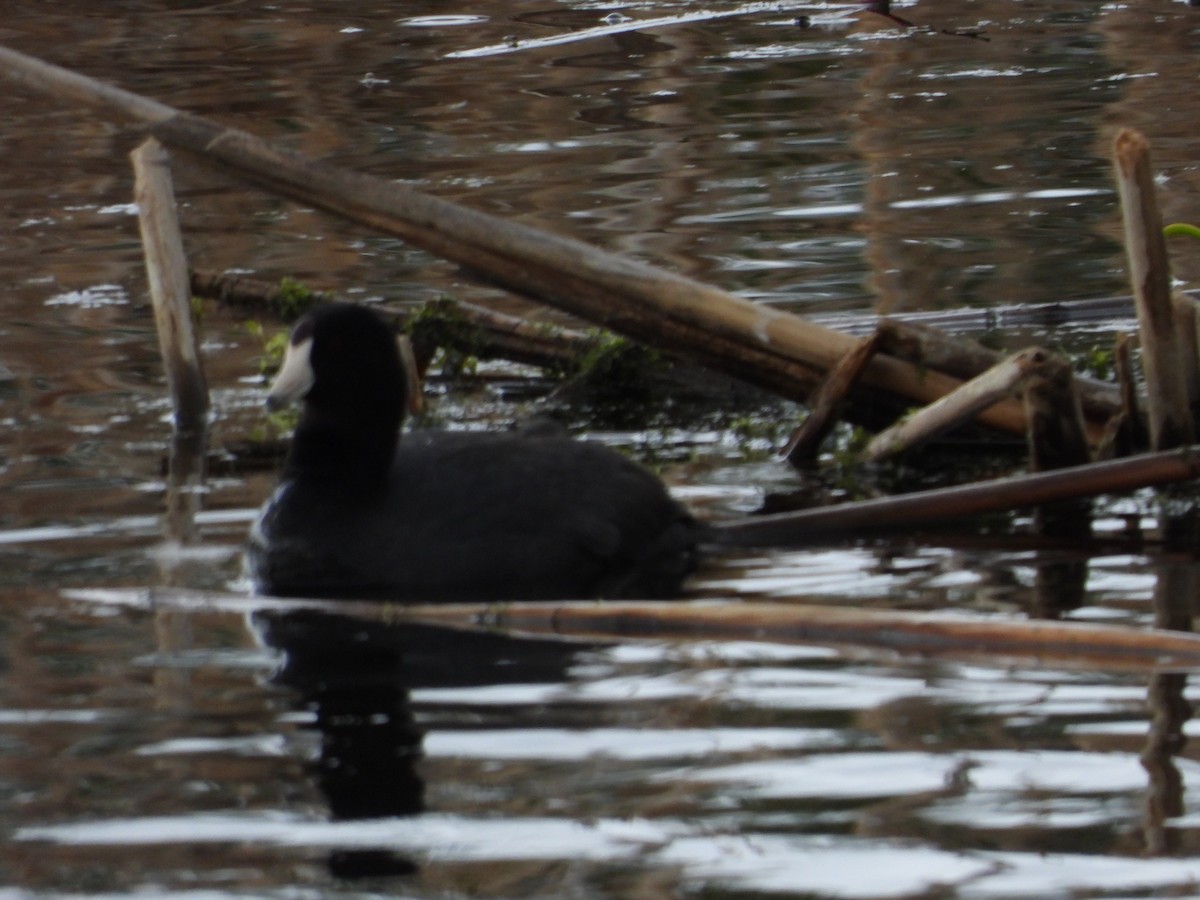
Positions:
{"x": 356, "y": 679}
{"x": 197, "y": 750}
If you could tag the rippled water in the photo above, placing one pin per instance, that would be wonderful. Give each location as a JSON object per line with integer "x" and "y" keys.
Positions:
{"x": 157, "y": 740}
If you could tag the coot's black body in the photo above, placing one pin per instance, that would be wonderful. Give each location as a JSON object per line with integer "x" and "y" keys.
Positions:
{"x": 447, "y": 516}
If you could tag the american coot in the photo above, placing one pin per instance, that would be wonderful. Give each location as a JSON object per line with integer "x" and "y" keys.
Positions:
{"x": 445, "y": 516}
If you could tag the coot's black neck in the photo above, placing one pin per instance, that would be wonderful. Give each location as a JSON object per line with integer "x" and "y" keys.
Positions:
{"x": 349, "y": 453}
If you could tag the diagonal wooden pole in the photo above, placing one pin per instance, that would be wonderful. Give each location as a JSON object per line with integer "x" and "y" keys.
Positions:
{"x": 824, "y": 523}
{"x": 756, "y": 343}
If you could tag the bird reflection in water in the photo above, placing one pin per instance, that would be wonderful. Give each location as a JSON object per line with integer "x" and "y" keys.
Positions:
{"x": 355, "y": 677}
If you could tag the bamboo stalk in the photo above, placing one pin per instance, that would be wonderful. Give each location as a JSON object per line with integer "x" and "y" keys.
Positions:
{"x": 931, "y": 347}
{"x": 1068, "y": 643}
{"x": 1149, "y": 271}
{"x": 1094, "y": 646}
{"x": 760, "y": 344}
{"x": 908, "y": 632}
{"x": 166, "y": 269}
{"x": 957, "y": 407}
{"x": 766, "y": 346}
{"x": 943, "y": 504}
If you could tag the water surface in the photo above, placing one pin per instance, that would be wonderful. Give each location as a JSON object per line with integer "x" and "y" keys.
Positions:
{"x": 169, "y": 747}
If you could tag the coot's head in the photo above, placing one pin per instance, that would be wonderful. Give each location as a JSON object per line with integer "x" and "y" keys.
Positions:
{"x": 343, "y": 362}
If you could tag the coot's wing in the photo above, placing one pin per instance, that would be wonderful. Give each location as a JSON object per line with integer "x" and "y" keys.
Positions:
{"x": 541, "y": 517}
{"x": 469, "y": 516}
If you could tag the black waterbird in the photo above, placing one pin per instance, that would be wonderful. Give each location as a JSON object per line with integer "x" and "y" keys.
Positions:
{"x": 362, "y": 511}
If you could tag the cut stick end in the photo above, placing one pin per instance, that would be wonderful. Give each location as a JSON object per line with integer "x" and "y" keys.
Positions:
{"x": 1129, "y": 147}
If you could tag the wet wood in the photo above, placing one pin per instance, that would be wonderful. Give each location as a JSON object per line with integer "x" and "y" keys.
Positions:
{"x": 931, "y": 347}
{"x": 1128, "y": 429}
{"x": 167, "y": 272}
{"x": 237, "y": 290}
{"x": 1074, "y": 644}
{"x": 958, "y": 407}
{"x": 490, "y": 334}
{"x": 1149, "y": 271}
{"x": 827, "y": 401}
{"x": 944, "y": 504}
{"x": 1056, "y": 430}
{"x": 1060, "y": 643}
{"x": 1187, "y": 319}
{"x": 764, "y": 346}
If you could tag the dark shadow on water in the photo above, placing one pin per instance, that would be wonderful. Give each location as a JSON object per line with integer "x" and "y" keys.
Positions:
{"x": 356, "y": 676}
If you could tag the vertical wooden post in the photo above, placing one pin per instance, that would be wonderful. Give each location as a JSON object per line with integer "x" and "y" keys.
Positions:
{"x": 1187, "y": 320}
{"x": 1056, "y": 432}
{"x": 166, "y": 269}
{"x": 1162, "y": 349}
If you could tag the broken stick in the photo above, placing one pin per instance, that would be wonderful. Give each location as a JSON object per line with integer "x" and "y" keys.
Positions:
{"x": 957, "y": 407}
{"x": 1149, "y": 270}
{"x": 166, "y": 270}
{"x": 805, "y": 443}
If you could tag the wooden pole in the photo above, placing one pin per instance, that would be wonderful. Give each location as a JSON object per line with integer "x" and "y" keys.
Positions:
{"x": 1077, "y": 644}
{"x": 1089, "y": 644}
{"x": 957, "y": 407}
{"x": 166, "y": 270}
{"x": 754, "y": 342}
{"x": 932, "y": 348}
{"x": 944, "y": 504}
{"x": 1056, "y": 433}
{"x": 1149, "y": 270}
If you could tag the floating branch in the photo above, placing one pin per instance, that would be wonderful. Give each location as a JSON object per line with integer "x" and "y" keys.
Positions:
{"x": 488, "y": 334}
{"x": 924, "y": 345}
{"x": 1060, "y": 643}
{"x": 1072, "y": 644}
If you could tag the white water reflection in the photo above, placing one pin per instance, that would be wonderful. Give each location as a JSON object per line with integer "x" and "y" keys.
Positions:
{"x": 624, "y": 743}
